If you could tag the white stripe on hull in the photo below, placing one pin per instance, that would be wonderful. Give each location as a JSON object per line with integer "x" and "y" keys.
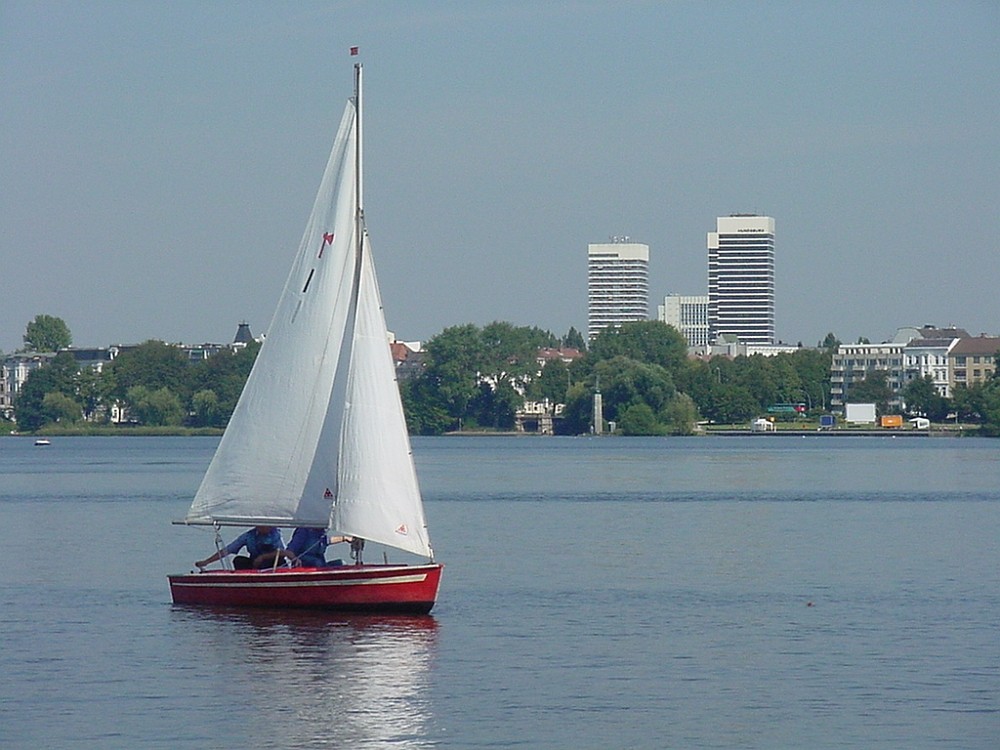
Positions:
{"x": 286, "y": 584}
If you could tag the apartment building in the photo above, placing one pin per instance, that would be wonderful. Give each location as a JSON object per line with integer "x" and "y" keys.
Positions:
{"x": 972, "y": 360}
{"x": 617, "y": 284}
{"x": 853, "y": 362}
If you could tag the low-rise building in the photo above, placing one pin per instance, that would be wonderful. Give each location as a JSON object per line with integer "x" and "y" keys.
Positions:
{"x": 928, "y": 358}
{"x": 567, "y": 354}
{"x": 913, "y": 353}
{"x": 972, "y": 360}
{"x": 852, "y": 363}
{"x": 408, "y": 358}
{"x": 729, "y": 345}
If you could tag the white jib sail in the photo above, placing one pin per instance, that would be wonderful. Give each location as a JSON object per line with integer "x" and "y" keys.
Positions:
{"x": 378, "y": 497}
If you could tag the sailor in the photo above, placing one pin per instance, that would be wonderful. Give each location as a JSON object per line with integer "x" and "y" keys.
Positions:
{"x": 309, "y": 546}
{"x": 265, "y": 548}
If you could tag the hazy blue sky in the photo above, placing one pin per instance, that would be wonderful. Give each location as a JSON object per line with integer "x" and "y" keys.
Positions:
{"x": 159, "y": 159}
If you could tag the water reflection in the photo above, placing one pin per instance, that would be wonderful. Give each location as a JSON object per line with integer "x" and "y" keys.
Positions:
{"x": 309, "y": 679}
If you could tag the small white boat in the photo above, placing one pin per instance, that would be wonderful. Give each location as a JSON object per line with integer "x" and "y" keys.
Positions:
{"x": 43, "y": 441}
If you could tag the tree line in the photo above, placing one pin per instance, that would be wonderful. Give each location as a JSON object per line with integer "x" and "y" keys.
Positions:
{"x": 477, "y": 378}
{"x": 153, "y": 383}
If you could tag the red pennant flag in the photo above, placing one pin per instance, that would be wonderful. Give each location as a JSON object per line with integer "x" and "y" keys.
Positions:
{"x": 327, "y": 240}
{"x": 354, "y": 50}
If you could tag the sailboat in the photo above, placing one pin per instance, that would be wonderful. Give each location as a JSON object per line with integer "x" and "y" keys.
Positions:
{"x": 318, "y": 437}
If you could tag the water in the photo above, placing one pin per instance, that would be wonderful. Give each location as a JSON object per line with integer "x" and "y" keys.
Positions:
{"x": 759, "y": 592}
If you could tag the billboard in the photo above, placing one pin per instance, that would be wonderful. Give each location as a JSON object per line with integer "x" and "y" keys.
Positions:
{"x": 859, "y": 413}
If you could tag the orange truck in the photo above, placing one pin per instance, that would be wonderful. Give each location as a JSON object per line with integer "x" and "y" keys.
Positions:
{"x": 892, "y": 421}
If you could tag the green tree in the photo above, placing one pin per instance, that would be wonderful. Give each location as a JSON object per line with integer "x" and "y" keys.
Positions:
{"x": 47, "y": 333}
{"x": 56, "y": 377}
{"x": 990, "y": 406}
{"x": 510, "y": 353}
{"x": 874, "y": 388}
{"x": 703, "y": 380}
{"x": 789, "y": 384}
{"x": 153, "y": 365}
{"x": 478, "y": 375}
{"x": 680, "y": 415}
{"x": 454, "y": 360}
{"x": 813, "y": 368}
{"x": 830, "y": 343}
{"x": 731, "y": 404}
{"x": 649, "y": 341}
{"x": 60, "y": 408}
{"x": 161, "y": 407}
{"x": 494, "y": 407}
{"x": 967, "y": 402}
{"x": 577, "y": 412}
{"x": 639, "y": 419}
{"x": 224, "y": 374}
{"x": 93, "y": 391}
{"x": 426, "y": 412}
{"x": 626, "y": 382}
{"x": 921, "y": 397}
{"x": 206, "y": 410}
{"x": 552, "y": 383}
{"x": 574, "y": 339}
{"x": 759, "y": 377}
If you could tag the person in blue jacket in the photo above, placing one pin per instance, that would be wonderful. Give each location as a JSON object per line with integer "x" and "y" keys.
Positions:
{"x": 309, "y": 546}
{"x": 264, "y": 545}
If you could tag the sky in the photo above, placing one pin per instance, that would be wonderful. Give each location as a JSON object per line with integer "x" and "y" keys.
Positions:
{"x": 158, "y": 161}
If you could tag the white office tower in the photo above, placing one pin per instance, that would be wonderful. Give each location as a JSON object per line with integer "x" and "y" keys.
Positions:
{"x": 741, "y": 278}
{"x": 689, "y": 315}
{"x": 617, "y": 284}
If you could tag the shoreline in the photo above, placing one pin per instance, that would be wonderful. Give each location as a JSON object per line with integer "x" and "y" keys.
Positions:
{"x": 962, "y": 431}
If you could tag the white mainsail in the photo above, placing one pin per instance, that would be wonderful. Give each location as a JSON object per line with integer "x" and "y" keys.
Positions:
{"x": 318, "y": 437}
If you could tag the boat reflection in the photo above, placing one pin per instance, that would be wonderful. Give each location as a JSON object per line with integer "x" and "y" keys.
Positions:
{"x": 307, "y": 679}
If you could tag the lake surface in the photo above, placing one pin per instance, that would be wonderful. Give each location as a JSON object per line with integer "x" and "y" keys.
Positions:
{"x": 757, "y": 592}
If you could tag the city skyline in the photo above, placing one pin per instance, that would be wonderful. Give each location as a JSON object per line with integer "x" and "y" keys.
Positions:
{"x": 158, "y": 160}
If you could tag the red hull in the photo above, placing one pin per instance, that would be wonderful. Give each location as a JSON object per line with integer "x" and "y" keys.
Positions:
{"x": 357, "y": 588}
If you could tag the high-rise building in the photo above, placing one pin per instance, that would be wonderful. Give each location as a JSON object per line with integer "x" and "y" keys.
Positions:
{"x": 741, "y": 278}
{"x": 617, "y": 284}
{"x": 689, "y": 315}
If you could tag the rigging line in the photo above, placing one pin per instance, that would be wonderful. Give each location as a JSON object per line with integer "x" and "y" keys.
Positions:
{"x": 220, "y": 547}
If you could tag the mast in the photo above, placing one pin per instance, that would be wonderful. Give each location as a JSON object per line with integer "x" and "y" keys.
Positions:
{"x": 358, "y": 204}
